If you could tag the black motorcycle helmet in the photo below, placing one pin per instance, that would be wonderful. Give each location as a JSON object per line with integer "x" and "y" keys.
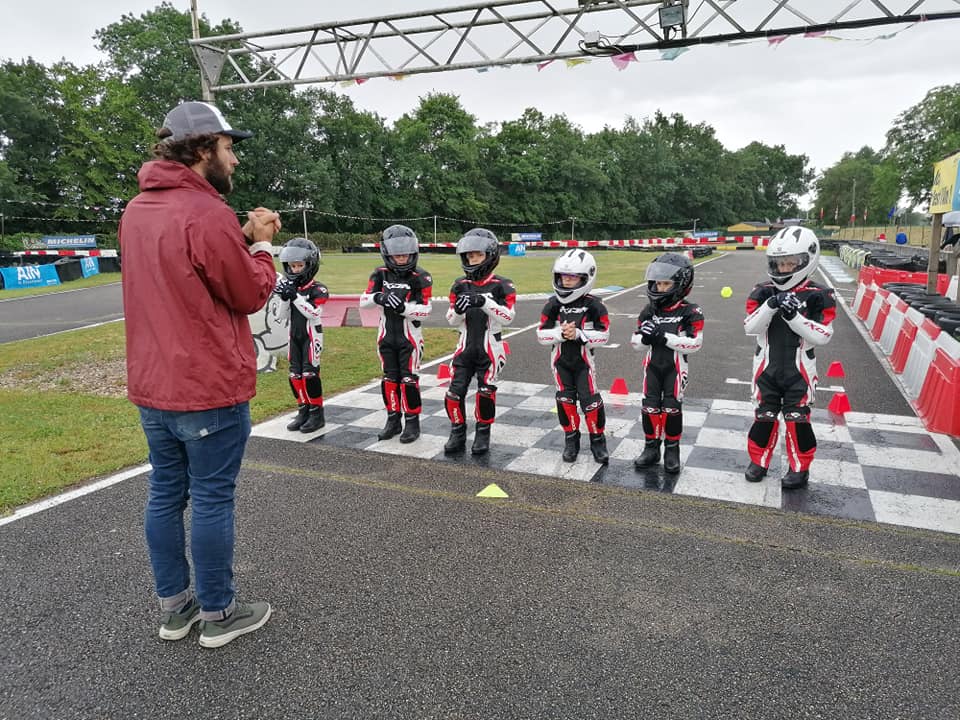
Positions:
{"x": 669, "y": 266}
{"x": 479, "y": 240}
{"x": 399, "y": 240}
{"x": 300, "y": 249}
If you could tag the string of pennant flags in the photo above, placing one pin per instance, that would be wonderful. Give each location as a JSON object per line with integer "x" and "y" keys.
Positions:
{"x": 622, "y": 61}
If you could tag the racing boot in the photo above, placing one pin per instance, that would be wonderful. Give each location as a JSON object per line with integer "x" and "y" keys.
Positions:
{"x": 755, "y": 473}
{"x": 314, "y": 421}
{"x": 481, "y": 440}
{"x": 671, "y": 456}
{"x": 794, "y": 479}
{"x": 571, "y": 445}
{"x": 457, "y": 442}
{"x": 598, "y": 446}
{"x": 649, "y": 456}
{"x": 391, "y": 428}
{"x": 300, "y": 419}
{"x": 411, "y": 429}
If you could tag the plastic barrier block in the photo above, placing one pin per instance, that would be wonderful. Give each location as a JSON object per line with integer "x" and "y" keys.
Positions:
{"x": 939, "y": 402}
{"x": 879, "y": 302}
{"x": 901, "y": 351}
{"x": 921, "y": 355}
{"x": 867, "y": 302}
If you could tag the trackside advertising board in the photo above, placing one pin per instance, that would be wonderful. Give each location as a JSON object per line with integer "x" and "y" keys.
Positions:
{"x": 28, "y": 276}
{"x": 69, "y": 242}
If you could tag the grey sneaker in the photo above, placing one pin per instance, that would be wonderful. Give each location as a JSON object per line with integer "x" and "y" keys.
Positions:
{"x": 246, "y": 618}
{"x": 176, "y": 625}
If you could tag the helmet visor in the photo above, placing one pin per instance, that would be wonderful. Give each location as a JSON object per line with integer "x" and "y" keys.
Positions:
{"x": 660, "y": 271}
{"x": 474, "y": 243}
{"x": 400, "y": 246}
{"x": 295, "y": 254}
{"x": 783, "y": 266}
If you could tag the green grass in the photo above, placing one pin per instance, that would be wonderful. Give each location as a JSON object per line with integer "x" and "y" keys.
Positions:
{"x": 66, "y": 419}
{"x": 347, "y": 274}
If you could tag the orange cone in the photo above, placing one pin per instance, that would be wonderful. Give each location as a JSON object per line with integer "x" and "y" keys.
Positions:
{"x": 619, "y": 387}
{"x": 836, "y": 370}
{"x": 840, "y": 404}
{"x": 443, "y": 372}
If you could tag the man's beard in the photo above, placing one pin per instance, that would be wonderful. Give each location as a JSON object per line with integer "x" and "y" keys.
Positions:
{"x": 218, "y": 175}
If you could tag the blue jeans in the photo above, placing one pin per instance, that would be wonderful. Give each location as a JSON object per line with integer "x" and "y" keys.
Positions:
{"x": 195, "y": 456}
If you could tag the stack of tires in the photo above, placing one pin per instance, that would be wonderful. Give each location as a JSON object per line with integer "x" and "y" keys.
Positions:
{"x": 941, "y": 310}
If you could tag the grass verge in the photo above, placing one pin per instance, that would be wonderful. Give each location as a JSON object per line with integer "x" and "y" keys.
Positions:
{"x": 66, "y": 419}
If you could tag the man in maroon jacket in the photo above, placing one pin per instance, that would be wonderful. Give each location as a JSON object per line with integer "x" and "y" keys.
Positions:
{"x": 191, "y": 275}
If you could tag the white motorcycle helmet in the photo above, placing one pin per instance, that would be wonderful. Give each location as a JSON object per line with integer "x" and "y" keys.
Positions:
{"x": 574, "y": 262}
{"x": 797, "y": 244}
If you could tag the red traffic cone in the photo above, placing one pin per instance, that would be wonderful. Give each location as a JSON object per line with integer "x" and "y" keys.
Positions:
{"x": 443, "y": 372}
{"x": 840, "y": 404}
{"x": 836, "y": 370}
{"x": 619, "y": 387}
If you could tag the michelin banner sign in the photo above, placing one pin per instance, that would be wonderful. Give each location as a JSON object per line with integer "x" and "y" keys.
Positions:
{"x": 27, "y": 276}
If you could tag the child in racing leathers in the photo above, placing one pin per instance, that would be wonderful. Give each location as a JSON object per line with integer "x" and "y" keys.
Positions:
{"x": 403, "y": 290}
{"x": 481, "y": 303}
{"x": 672, "y": 327}
{"x": 790, "y": 315}
{"x": 298, "y": 289}
{"x": 574, "y": 323}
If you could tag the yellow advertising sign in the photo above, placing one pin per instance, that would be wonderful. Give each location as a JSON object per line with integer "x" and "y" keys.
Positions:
{"x": 945, "y": 194}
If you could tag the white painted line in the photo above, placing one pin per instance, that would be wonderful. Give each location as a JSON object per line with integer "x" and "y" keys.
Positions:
{"x": 72, "y": 494}
{"x": 827, "y": 388}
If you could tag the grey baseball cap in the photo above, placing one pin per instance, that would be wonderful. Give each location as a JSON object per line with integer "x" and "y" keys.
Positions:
{"x": 199, "y": 118}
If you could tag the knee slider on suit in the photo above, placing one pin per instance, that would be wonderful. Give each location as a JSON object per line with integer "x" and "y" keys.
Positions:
{"x": 486, "y": 404}
{"x": 410, "y": 394}
{"x": 567, "y": 412}
{"x": 595, "y": 414}
{"x": 313, "y": 385}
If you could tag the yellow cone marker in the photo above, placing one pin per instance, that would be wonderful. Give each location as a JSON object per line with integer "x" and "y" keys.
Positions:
{"x": 492, "y": 491}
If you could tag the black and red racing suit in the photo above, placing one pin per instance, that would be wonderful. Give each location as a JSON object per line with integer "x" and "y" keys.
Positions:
{"x": 399, "y": 337}
{"x": 480, "y": 351}
{"x": 572, "y": 361}
{"x": 785, "y": 369}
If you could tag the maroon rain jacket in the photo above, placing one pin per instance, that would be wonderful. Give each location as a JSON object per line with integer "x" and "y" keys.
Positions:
{"x": 189, "y": 282}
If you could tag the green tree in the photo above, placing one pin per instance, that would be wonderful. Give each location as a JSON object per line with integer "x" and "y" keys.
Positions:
{"x": 768, "y": 181}
{"x": 354, "y": 144}
{"x": 151, "y": 54}
{"x": 434, "y": 168}
{"x": 845, "y": 188}
{"x": 923, "y": 135}
{"x": 30, "y": 135}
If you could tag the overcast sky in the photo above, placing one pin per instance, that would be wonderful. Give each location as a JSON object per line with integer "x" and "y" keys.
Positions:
{"x": 815, "y": 97}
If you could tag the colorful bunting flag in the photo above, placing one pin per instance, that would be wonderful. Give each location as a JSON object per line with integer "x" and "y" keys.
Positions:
{"x": 672, "y": 53}
{"x": 621, "y": 61}
{"x": 573, "y": 62}
{"x": 541, "y": 66}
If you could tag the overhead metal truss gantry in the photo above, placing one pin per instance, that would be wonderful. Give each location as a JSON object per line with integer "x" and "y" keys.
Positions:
{"x": 515, "y": 32}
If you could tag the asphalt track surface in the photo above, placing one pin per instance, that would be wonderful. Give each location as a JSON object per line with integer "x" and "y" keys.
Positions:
{"x": 398, "y": 593}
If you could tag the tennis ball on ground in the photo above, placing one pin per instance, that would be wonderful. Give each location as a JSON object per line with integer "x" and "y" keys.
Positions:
{"x": 726, "y": 291}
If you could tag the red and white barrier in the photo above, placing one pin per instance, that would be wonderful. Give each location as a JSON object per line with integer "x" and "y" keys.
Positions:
{"x": 863, "y": 303}
{"x": 893, "y": 324}
{"x": 876, "y": 307}
{"x": 69, "y": 253}
{"x": 912, "y": 320}
{"x": 938, "y": 404}
{"x": 920, "y": 357}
